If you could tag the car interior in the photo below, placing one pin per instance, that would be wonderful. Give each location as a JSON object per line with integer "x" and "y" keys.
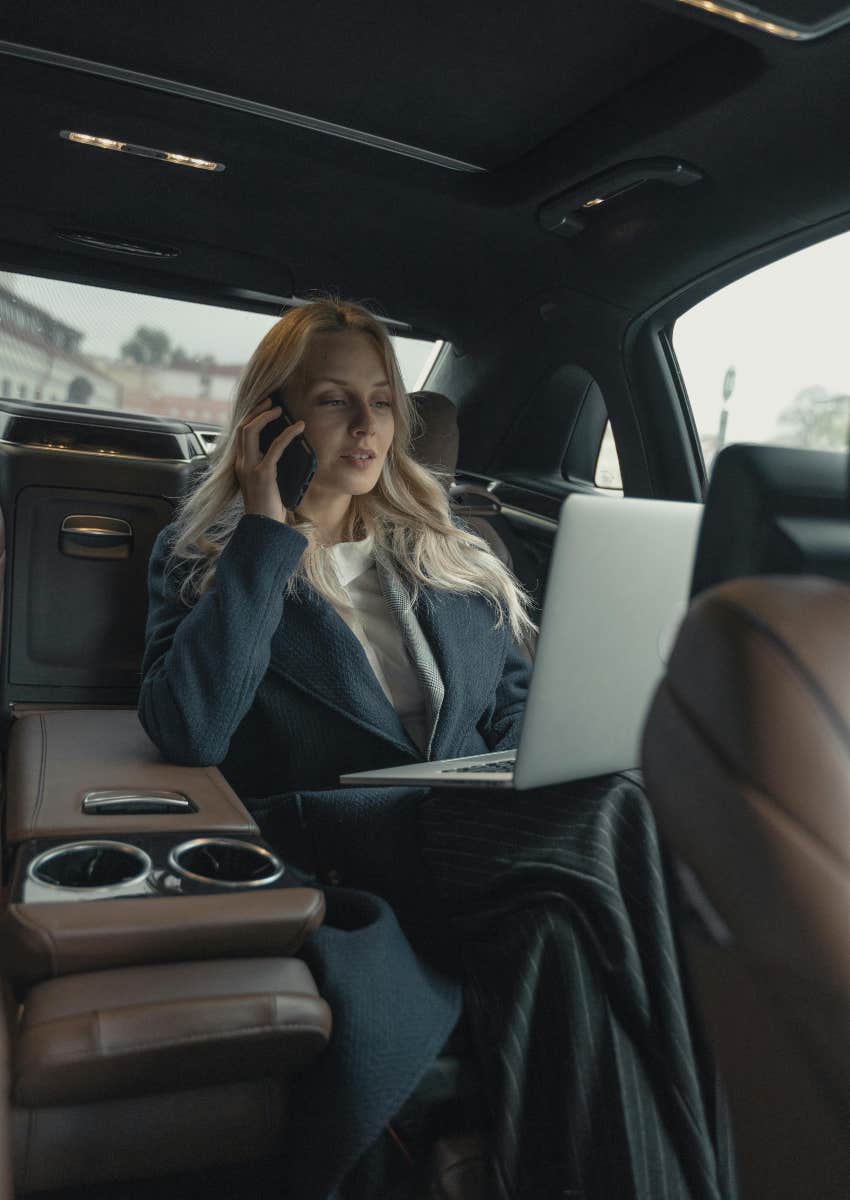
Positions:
{"x": 538, "y": 200}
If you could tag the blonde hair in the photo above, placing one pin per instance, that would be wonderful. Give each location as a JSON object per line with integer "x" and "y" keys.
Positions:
{"x": 407, "y": 512}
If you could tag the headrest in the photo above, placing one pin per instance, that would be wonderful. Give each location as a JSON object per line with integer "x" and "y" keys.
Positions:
{"x": 774, "y": 510}
{"x": 436, "y": 446}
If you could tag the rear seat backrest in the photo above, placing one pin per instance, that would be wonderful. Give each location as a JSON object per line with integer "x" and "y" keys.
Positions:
{"x": 747, "y": 764}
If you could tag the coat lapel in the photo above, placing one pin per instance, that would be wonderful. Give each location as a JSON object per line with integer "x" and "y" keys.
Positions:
{"x": 317, "y": 653}
{"x": 470, "y": 657}
{"x": 450, "y": 640}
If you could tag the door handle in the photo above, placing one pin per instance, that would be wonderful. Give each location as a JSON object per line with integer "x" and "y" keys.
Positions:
{"x": 86, "y": 536}
{"x": 468, "y": 499}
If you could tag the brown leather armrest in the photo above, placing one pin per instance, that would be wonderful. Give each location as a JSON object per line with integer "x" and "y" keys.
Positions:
{"x": 54, "y": 758}
{"x": 151, "y": 1029}
{"x": 38, "y": 941}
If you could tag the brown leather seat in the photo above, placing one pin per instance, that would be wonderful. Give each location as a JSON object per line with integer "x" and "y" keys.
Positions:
{"x": 747, "y": 763}
{"x": 147, "y": 1070}
{"x": 154, "y": 1029}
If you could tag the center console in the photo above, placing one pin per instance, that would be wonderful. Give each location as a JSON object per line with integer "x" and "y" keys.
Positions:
{"x": 118, "y": 858}
{"x": 149, "y": 934}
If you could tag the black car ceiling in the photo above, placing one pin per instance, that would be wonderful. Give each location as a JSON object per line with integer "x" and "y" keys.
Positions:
{"x": 541, "y": 96}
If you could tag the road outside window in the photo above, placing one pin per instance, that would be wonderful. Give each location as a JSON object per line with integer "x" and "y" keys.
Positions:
{"x": 766, "y": 359}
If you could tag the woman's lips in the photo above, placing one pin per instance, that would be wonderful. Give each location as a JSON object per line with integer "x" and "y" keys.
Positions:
{"x": 360, "y": 460}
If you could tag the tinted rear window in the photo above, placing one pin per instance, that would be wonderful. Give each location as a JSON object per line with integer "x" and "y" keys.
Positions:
{"x": 70, "y": 343}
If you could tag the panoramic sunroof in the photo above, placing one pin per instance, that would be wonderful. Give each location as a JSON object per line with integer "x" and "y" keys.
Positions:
{"x": 795, "y": 20}
{"x": 510, "y": 77}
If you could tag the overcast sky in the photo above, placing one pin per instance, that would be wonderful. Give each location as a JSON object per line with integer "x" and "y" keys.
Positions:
{"x": 784, "y": 328}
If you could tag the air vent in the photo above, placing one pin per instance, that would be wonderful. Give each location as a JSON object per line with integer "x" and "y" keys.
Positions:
{"x": 116, "y": 245}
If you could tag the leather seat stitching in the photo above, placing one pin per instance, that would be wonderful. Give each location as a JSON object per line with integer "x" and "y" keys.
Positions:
{"x": 740, "y": 775}
{"x": 187, "y": 1040}
{"x": 819, "y": 694}
{"x": 42, "y": 771}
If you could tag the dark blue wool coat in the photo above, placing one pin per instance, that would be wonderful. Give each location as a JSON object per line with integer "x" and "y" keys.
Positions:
{"x": 277, "y": 692}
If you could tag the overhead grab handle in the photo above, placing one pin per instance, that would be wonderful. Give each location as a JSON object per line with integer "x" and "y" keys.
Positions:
{"x": 568, "y": 213}
{"x": 86, "y": 536}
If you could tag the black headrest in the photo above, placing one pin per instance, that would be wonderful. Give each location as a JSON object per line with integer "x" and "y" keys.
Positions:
{"x": 774, "y": 510}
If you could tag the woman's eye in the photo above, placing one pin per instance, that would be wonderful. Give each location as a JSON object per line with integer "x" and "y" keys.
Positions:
{"x": 383, "y": 403}
{"x": 332, "y": 400}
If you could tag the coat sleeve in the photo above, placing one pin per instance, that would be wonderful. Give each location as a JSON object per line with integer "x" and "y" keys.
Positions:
{"x": 505, "y": 719}
{"x": 203, "y": 664}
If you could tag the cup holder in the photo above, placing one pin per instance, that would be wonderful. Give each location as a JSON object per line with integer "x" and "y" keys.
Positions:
{"x": 90, "y": 865}
{"x": 225, "y": 862}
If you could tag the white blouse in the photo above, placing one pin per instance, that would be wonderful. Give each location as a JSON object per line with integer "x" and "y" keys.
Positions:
{"x": 372, "y": 623}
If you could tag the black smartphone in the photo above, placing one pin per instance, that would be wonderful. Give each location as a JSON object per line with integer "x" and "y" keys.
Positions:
{"x": 297, "y": 465}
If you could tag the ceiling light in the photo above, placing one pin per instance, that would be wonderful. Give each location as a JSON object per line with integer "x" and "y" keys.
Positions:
{"x": 102, "y": 143}
{"x": 88, "y": 139}
{"x": 593, "y": 203}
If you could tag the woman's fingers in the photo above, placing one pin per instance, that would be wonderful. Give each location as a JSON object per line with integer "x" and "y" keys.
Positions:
{"x": 248, "y": 453}
{"x": 277, "y": 447}
{"x": 256, "y": 472}
{"x": 251, "y": 428}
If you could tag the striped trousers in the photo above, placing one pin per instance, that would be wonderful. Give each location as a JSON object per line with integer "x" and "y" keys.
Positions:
{"x": 597, "y": 1084}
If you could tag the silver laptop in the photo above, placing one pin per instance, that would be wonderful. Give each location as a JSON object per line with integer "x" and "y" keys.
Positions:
{"x": 617, "y": 590}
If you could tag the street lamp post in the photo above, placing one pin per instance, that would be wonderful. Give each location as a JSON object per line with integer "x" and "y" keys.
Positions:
{"x": 728, "y": 389}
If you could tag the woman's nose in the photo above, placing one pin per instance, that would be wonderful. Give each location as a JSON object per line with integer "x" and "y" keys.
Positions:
{"x": 362, "y": 418}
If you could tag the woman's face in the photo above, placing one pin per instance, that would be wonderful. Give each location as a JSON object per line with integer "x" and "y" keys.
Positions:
{"x": 343, "y": 395}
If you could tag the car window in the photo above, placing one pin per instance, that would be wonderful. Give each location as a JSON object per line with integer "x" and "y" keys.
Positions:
{"x": 608, "y": 463}
{"x": 765, "y": 359}
{"x": 70, "y": 343}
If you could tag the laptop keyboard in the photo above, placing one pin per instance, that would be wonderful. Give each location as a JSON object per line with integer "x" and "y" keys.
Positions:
{"x": 505, "y": 764}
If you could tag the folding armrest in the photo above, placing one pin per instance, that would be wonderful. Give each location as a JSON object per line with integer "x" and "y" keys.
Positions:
{"x": 40, "y": 941}
{"x": 54, "y": 759}
{"x": 146, "y": 1071}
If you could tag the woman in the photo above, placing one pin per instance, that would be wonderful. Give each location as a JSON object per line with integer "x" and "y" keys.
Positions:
{"x": 368, "y": 629}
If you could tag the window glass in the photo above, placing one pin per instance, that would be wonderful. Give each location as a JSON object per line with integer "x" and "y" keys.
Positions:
{"x": 70, "y": 343}
{"x": 608, "y": 464}
{"x": 765, "y": 359}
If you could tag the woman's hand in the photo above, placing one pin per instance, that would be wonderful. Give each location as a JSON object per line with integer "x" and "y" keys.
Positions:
{"x": 257, "y": 472}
